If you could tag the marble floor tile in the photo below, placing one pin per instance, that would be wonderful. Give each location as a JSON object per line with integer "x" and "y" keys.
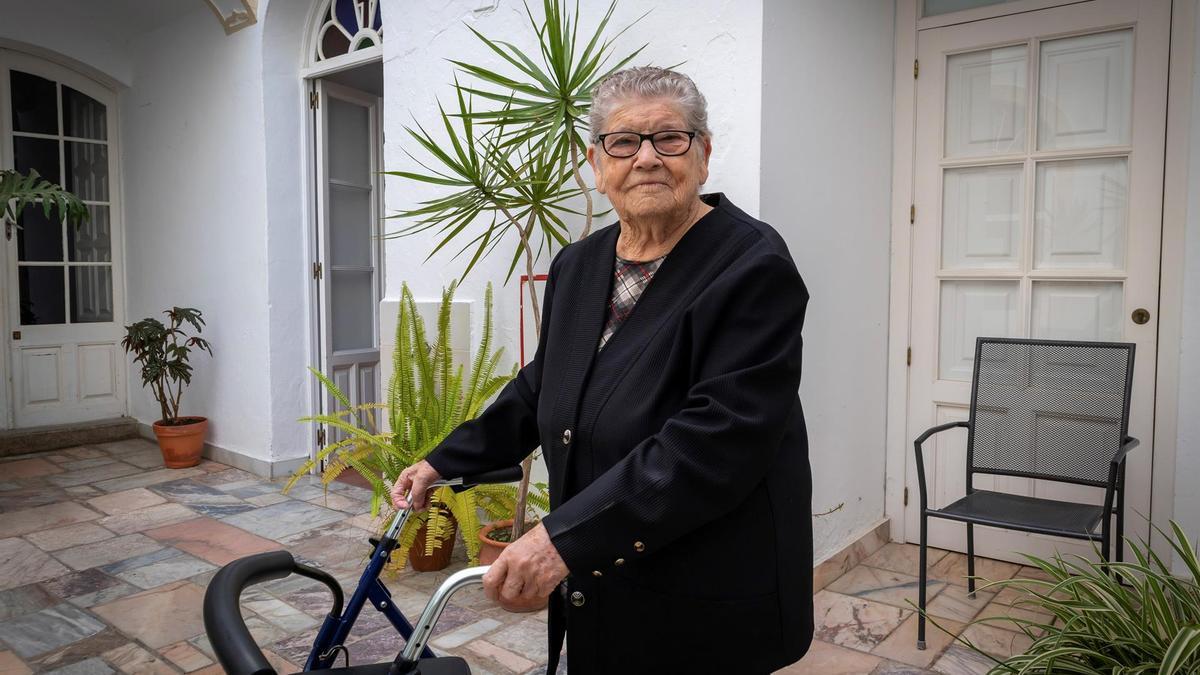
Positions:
{"x": 81, "y": 491}
{"x": 267, "y": 499}
{"x": 145, "y": 479}
{"x": 285, "y": 518}
{"x": 854, "y": 622}
{"x": 24, "y": 600}
{"x": 125, "y": 446}
{"x": 296, "y": 648}
{"x": 217, "y": 542}
{"x": 186, "y": 657}
{"x": 959, "y": 660}
{"x": 1013, "y": 618}
{"x": 84, "y": 452}
{"x": 46, "y": 517}
{"x": 22, "y": 563}
{"x": 996, "y": 641}
{"x": 104, "y": 595}
{"x": 194, "y": 492}
{"x": 81, "y": 464}
{"x": 893, "y": 588}
{"x": 146, "y": 459}
{"x": 306, "y": 492}
{"x": 340, "y": 502}
{"x": 513, "y": 662}
{"x": 30, "y": 495}
{"x": 125, "y": 501}
{"x": 100, "y": 473}
{"x": 75, "y": 584}
{"x": 140, "y": 560}
{"x": 35, "y": 634}
{"x": 289, "y": 619}
{"x": 132, "y": 659}
{"x": 903, "y": 558}
{"x": 10, "y": 664}
{"x": 65, "y": 537}
{"x": 28, "y": 468}
{"x": 147, "y": 518}
{"x": 953, "y": 568}
{"x": 227, "y": 475}
{"x": 140, "y": 616}
{"x": 897, "y": 668}
{"x": 901, "y": 645}
{"x": 162, "y": 572}
{"x": 464, "y": 634}
{"x": 92, "y": 666}
{"x": 250, "y": 488}
{"x": 824, "y": 658}
{"x": 956, "y": 604}
{"x": 107, "y": 551}
{"x": 80, "y": 650}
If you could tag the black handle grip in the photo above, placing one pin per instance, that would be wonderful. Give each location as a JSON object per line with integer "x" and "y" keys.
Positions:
{"x": 509, "y": 474}
{"x": 227, "y": 632}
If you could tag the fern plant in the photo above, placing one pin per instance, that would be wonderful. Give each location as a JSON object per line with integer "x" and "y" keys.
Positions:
{"x": 1128, "y": 618}
{"x": 428, "y": 396}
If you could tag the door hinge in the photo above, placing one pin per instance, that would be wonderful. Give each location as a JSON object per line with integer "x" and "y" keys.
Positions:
{"x": 314, "y": 100}
{"x": 908, "y": 357}
{"x": 916, "y": 68}
{"x": 321, "y": 436}
{"x": 8, "y": 228}
{"x": 906, "y": 496}
{"x": 317, "y": 271}
{"x": 912, "y": 214}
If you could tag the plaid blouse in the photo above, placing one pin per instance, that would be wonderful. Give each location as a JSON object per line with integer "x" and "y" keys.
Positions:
{"x": 630, "y": 279}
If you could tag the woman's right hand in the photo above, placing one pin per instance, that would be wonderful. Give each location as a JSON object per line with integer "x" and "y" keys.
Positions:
{"x": 416, "y": 480}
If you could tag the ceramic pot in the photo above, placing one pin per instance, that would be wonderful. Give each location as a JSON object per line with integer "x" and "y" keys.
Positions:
{"x": 440, "y": 558}
{"x": 181, "y": 444}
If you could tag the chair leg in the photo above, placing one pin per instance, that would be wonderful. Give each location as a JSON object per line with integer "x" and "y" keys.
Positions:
{"x": 971, "y": 560}
{"x": 1120, "y": 542}
{"x": 921, "y": 583}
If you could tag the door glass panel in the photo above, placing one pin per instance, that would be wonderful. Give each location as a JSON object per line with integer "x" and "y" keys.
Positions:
{"x": 970, "y": 309}
{"x": 981, "y": 217}
{"x": 985, "y": 102}
{"x": 353, "y": 307}
{"x": 935, "y": 7}
{"x": 83, "y": 116}
{"x": 1081, "y": 214}
{"x": 349, "y": 142}
{"x": 1085, "y": 91}
{"x": 91, "y": 294}
{"x": 1083, "y": 310}
{"x": 42, "y": 295}
{"x": 87, "y": 170}
{"x": 34, "y": 104}
{"x": 37, "y": 154}
{"x": 39, "y": 239}
{"x": 350, "y": 223}
{"x": 91, "y": 241}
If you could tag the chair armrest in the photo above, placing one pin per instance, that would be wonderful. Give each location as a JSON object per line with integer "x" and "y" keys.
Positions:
{"x": 921, "y": 456}
{"x": 1129, "y": 444}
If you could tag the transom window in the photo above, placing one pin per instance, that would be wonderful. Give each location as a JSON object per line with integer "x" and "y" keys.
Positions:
{"x": 347, "y": 26}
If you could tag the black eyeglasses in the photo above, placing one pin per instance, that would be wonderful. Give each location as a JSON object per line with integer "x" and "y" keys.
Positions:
{"x": 624, "y": 144}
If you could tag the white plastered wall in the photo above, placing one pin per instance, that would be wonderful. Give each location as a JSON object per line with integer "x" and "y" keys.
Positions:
{"x": 826, "y": 184}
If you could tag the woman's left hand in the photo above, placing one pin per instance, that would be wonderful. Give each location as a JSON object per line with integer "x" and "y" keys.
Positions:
{"x": 526, "y": 572}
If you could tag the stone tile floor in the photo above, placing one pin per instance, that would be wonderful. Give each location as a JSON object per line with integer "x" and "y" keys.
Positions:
{"x": 105, "y": 555}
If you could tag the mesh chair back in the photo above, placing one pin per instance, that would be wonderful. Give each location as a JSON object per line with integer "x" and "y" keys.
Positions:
{"x": 1049, "y": 409}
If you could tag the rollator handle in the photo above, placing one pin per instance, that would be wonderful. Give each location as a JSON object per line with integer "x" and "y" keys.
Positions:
{"x": 509, "y": 474}
{"x": 408, "y": 660}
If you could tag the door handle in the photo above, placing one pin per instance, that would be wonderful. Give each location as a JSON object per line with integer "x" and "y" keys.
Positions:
{"x": 16, "y": 335}
{"x": 1140, "y": 316}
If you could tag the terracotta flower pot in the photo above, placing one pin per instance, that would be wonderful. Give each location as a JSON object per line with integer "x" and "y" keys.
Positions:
{"x": 490, "y": 549}
{"x": 181, "y": 444}
{"x": 440, "y": 559}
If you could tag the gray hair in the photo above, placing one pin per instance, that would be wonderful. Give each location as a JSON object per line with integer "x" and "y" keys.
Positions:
{"x": 648, "y": 82}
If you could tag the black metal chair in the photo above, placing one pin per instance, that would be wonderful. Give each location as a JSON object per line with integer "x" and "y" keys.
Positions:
{"x": 1046, "y": 409}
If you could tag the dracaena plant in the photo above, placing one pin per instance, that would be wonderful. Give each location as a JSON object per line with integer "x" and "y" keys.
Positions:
{"x": 18, "y": 190}
{"x": 163, "y": 352}
{"x": 1128, "y": 618}
{"x": 513, "y": 165}
{"x": 427, "y": 397}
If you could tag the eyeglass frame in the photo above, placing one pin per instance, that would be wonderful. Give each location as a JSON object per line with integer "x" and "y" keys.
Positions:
{"x": 642, "y": 138}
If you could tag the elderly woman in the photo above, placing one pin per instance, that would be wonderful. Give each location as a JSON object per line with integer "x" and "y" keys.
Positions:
{"x": 664, "y": 397}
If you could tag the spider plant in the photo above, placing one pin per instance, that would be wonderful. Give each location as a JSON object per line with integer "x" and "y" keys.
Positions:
{"x": 427, "y": 398}
{"x": 510, "y": 168}
{"x": 1126, "y": 618}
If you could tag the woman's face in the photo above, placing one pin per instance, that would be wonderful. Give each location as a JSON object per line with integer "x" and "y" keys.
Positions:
{"x": 649, "y": 185}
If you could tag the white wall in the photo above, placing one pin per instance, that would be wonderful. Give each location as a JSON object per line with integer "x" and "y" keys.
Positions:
{"x": 1187, "y": 461}
{"x": 193, "y": 159}
{"x": 719, "y": 41}
{"x": 826, "y": 177}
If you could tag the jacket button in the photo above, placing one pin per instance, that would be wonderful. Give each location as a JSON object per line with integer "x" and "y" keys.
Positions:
{"x": 619, "y": 561}
{"x": 639, "y": 546}
{"x": 577, "y": 599}
{"x": 597, "y": 573}
{"x": 566, "y": 437}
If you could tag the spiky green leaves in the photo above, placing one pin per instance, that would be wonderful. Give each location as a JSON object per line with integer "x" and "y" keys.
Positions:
{"x": 18, "y": 191}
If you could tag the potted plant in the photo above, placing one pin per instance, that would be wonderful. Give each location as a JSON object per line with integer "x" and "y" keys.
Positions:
{"x": 499, "y": 502}
{"x": 427, "y": 398}
{"x": 163, "y": 352}
{"x": 516, "y": 166}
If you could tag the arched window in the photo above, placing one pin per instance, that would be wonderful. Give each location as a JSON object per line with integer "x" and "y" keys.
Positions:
{"x": 347, "y": 26}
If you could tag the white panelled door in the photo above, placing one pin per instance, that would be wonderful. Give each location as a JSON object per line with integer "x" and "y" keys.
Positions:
{"x": 62, "y": 283}
{"x": 1038, "y": 194}
{"x": 348, "y": 212}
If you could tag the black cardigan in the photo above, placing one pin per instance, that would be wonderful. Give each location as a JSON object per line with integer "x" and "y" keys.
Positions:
{"x": 679, "y": 478}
